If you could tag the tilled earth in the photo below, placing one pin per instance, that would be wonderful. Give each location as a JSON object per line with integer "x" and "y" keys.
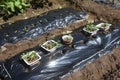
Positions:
{"x": 112, "y": 75}
{"x": 102, "y": 11}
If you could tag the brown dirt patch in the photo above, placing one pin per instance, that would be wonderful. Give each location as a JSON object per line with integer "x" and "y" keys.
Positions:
{"x": 101, "y": 11}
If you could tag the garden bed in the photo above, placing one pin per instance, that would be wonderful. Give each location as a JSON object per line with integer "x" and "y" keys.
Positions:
{"x": 27, "y": 35}
{"x": 69, "y": 57}
{"x": 66, "y": 58}
{"x": 113, "y": 18}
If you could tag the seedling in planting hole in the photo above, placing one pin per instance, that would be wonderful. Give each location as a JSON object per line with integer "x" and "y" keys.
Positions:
{"x": 49, "y": 45}
{"x": 67, "y": 39}
{"x": 46, "y": 20}
{"x": 25, "y": 29}
{"x": 91, "y": 28}
{"x": 31, "y": 57}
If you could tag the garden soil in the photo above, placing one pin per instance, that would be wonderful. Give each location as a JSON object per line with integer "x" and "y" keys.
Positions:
{"x": 98, "y": 68}
{"x": 103, "y": 12}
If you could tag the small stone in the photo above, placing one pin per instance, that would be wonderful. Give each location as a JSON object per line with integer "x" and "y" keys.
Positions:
{"x": 25, "y": 17}
{"x": 60, "y": 7}
{"x": 7, "y": 35}
{"x": 81, "y": 41}
{"x": 16, "y": 31}
{"x": 24, "y": 14}
{"x": 68, "y": 32}
{"x": 2, "y": 48}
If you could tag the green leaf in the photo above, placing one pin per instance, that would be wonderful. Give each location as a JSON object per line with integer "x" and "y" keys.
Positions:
{"x": 10, "y": 6}
{"x": 1, "y": 5}
{"x": 20, "y": 7}
{"x": 8, "y": 12}
{"x": 25, "y": 5}
{"x": 21, "y": 10}
{"x": 17, "y": 3}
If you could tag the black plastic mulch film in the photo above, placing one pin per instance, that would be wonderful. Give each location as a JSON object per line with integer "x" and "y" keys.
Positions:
{"x": 33, "y": 27}
{"x": 114, "y": 3}
{"x": 65, "y": 59}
